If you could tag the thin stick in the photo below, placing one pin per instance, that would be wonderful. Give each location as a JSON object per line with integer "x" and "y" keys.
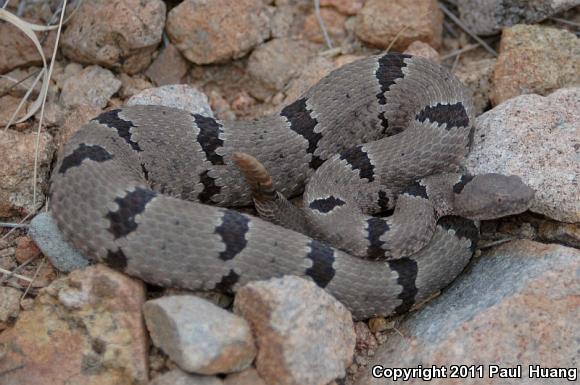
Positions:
{"x": 41, "y": 118}
{"x": 14, "y": 225}
{"x": 495, "y": 243}
{"x": 456, "y": 20}
{"x": 11, "y": 274}
{"x": 17, "y": 268}
{"x": 392, "y": 43}
{"x": 14, "y": 228}
{"x": 564, "y": 21}
{"x": 33, "y": 277}
{"x": 460, "y": 51}
{"x": 321, "y": 23}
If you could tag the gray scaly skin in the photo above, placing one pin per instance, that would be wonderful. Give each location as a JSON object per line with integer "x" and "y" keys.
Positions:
{"x": 131, "y": 188}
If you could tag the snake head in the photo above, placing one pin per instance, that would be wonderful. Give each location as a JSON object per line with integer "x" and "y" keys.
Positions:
{"x": 490, "y": 196}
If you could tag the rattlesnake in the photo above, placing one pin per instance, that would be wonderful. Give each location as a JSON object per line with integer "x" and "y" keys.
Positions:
{"x": 131, "y": 189}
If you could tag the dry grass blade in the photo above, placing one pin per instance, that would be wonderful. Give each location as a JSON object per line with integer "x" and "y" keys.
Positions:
{"x": 40, "y": 120}
{"x": 397, "y": 36}
{"x": 321, "y": 23}
{"x": 10, "y": 274}
{"x": 5, "y": 236}
{"x": 456, "y": 20}
{"x": 40, "y": 265}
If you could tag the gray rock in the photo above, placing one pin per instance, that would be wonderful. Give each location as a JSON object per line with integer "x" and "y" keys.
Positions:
{"x": 179, "y": 377}
{"x": 119, "y": 34}
{"x": 249, "y": 376}
{"x": 199, "y": 336}
{"x": 180, "y": 96}
{"x": 304, "y": 335}
{"x": 9, "y": 303}
{"x": 274, "y": 63}
{"x": 517, "y": 305}
{"x": 49, "y": 239}
{"x": 93, "y": 86}
{"x": 536, "y": 138}
{"x": 486, "y": 17}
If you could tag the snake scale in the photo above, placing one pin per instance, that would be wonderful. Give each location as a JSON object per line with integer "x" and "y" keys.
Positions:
{"x": 374, "y": 145}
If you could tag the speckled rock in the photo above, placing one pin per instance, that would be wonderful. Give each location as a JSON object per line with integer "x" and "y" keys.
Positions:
{"x": 424, "y": 50}
{"x": 304, "y": 335}
{"x": 379, "y": 21}
{"x": 17, "y": 50}
{"x": 93, "y": 86}
{"x": 312, "y": 72}
{"x": 179, "y": 377}
{"x": 519, "y": 304}
{"x": 249, "y": 376}
{"x": 538, "y": 139}
{"x": 83, "y": 329}
{"x": 486, "y": 17}
{"x": 477, "y": 74}
{"x": 131, "y": 85}
{"x": 348, "y": 7}
{"x": 119, "y": 34}
{"x": 17, "y": 171}
{"x": 274, "y": 63}
{"x": 180, "y": 96}
{"x": 9, "y": 303}
{"x": 9, "y": 104}
{"x": 208, "y": 31}
{"x": 535, "y": 59}
{"x": 169, "y": 67}
{"x": 26, "y": 249}
{"x": 333, "y": 21}
{"x": 199, "y": 336}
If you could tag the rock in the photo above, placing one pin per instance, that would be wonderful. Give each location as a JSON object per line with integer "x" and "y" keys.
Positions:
{"x": 26, "y": 249}
{"x": 17, "y": 50}
{"x": 487, "y": 17}
{"x": 304, "y": 335}
{"x": 277, "y": 61}
{"x": 180, "y": 96}
{"x": 517, "y": 305}
{"x": 9, "y": 104}
{"x": 285, "y": 21}
{"x": 179, "y": 377}
{"x": 249, "y": 376}
{"x": 9, "y": 303}
{"x": 132, "y": 85}
{"x": 535, "y": 59}
{"x": 424, "y": 50}
{"x": 333, "y": 21}
{"x": 348, "y": 7}
{"x": 84, "y": 329}
{"x": 379, "y": 324}
{"x": 536, "y": 138}
{"x": 476, "y": 74}
{"x": 380, "y": 21}
{"x": 209, "y": 31}
{"x": 564, "y": 233}
{"x": 75, "y": 119}
{"x": 314, "y": 70}
{"x": 93, "y": 86}
{"x": 62, "y": 255}
{"x": 17, "y": 171}
{"x": 199, "y": 336}
{"x": 119, "y": 34}
{"x": 17, "y": 82}
{"x": 169, "y": 67}
{"x": 365, "y": 341}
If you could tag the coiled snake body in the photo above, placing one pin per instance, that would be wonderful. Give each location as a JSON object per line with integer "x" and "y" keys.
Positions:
{"x": 132, "y": 187}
